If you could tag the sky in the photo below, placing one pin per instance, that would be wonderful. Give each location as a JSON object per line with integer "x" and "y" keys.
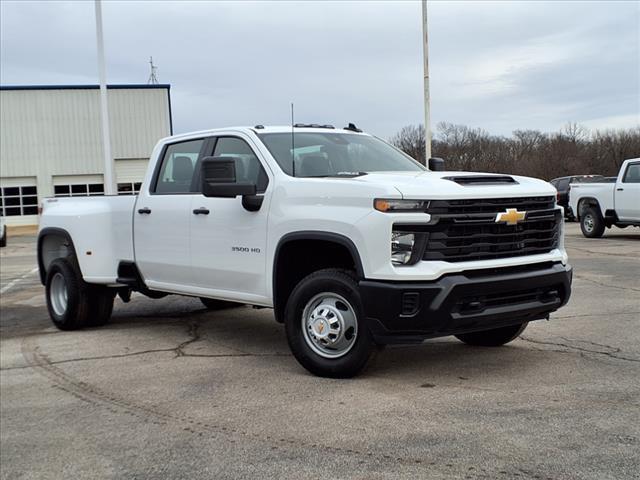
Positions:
{"x": 500, "y": 66}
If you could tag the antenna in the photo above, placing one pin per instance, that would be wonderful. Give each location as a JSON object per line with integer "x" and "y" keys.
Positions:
{"x": 293, "y": 145}
{"x": 153, "y": 78}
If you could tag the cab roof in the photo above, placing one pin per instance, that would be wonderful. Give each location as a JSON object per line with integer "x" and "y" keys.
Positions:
{"x": 260, "y": 129}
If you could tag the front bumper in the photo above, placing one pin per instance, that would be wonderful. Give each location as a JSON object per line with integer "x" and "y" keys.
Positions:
{"x": 409, "y": 312}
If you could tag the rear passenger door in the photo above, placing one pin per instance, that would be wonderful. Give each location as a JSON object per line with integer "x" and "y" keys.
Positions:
{"x": 228, "y": 242}
{"x": 162, "y": 216}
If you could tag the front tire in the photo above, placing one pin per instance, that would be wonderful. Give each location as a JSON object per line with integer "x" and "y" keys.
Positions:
{"x": 68, "y": 299}
{"x": 493, "y": 338}
{"x": 325, "y": 327}
{"x": 592, "y": 223}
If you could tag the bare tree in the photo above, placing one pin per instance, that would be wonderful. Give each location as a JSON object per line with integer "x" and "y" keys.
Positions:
{"x": 411, "y": 140}
{"x": 571, "y": 151}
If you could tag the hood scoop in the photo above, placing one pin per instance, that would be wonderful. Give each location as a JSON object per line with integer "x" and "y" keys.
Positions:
{"x": 466, "y": 180}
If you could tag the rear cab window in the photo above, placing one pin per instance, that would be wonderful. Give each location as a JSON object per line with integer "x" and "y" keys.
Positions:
{"x": 632, "y": 175}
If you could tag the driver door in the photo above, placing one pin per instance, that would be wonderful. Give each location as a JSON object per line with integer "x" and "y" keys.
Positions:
{"x": 228, "y": 242}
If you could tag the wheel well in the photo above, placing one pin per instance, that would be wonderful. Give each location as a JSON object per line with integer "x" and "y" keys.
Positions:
{"x": 587, "y": 202}
{"x": 52, "y": 244}
{"x": 297, "y": 258}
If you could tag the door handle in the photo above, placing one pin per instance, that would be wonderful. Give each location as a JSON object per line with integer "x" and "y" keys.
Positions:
{"x": 620, "y": 189}
{"x": 143, "y": 211}
{"x": 201, "y": 211}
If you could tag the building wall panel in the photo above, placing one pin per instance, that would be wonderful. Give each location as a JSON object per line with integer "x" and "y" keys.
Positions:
{"x": 54, "y": 132}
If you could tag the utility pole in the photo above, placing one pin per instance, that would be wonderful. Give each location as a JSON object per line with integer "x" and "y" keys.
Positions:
{"x": 427, "y": 98}
{"x": 109, "y": 173}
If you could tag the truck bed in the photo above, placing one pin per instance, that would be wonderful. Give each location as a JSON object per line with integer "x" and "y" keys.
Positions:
{"x": 101, "y": 228}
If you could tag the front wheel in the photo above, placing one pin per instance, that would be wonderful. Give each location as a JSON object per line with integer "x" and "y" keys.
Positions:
{"x": 493, "y": 338}
{"x": 324, "y": 323}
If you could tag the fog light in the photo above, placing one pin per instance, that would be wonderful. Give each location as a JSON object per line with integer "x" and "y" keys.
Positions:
{"x": 401, "y": 247}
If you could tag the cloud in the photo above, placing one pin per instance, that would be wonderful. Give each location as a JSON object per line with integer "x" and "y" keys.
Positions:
{"x": 497, "y": 65}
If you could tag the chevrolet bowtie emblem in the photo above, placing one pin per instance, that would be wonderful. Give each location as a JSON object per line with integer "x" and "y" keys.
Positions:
{"x": 511, "y": 216}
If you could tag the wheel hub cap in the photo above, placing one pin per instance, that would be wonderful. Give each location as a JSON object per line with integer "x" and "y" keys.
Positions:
{"x": 58, "y": 294}
{"x": 588, "y": 222}
{"x": 329, "y": 325}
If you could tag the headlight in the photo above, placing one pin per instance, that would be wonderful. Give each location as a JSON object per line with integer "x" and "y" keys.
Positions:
{"x": 401, "y": 247}
{"x": 383, "y": 205}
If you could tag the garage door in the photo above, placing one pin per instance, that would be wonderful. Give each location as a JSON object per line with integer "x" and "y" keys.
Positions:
{"x": 77, "y": 185}
{"x": 19, "y": 200}
{"x": 129, "y": 175}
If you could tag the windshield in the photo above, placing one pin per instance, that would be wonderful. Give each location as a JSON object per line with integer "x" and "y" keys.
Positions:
{"x": 335, "y": 154}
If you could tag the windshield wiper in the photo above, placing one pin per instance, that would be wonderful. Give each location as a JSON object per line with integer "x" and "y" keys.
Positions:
{"x": 337, "y": 175}
{"x": 348, "y": 174}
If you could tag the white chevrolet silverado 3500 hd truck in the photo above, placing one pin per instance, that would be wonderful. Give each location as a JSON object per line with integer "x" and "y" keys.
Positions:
{"x": 353, "y": 243}
{"x": 600, "y": 205}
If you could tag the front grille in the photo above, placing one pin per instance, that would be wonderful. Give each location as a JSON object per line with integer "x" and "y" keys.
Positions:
{"x": 489, "y": 205}
{"x": 466, "y": 230}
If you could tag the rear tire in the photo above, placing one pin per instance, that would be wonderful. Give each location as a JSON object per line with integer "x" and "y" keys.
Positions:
{"x": 493, "y": 338}
{"x": 68, "y": 296}
{"x": 325, "y": 327}
{"x": 101, "y": 305}
{"x": 213, "y": 304}
{"x": 592, "y": 223}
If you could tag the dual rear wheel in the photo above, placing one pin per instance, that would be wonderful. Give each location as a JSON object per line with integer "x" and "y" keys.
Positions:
{"x": 73, "y": 303}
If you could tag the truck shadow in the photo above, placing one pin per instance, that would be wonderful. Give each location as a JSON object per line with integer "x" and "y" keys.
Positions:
{"x": 247, "y": 332}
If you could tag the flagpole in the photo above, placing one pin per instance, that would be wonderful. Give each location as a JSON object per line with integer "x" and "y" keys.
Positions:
{"x": 427, "y": 98}
{"x": 109, "y": 174}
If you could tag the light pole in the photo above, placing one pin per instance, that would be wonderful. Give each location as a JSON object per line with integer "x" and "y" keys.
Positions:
{"x": 109, "y": 174}
{"x": 427, "y": 98}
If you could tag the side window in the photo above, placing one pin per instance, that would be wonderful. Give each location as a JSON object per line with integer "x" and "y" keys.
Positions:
{"x": 632, "y": 175}
{"x": 563, "y": 184}
{"x": 248, "y": 167}
{"x": 178, "y": 166}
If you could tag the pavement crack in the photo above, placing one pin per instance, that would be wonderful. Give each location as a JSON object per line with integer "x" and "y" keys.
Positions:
{"x": 194, "y": 336}
{"x": 622, "y": 255}
{"x": 612, "y": 354}
{"x": 159, "y": 350}
{"x": 608, "y": 285}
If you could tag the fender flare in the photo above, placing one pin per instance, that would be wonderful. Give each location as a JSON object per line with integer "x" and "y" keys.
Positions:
{"x": 319, "y": 235}
{"x": 335, "y": 238}
{"x": 59, "y": 232}
{"x": 589, "y": 200}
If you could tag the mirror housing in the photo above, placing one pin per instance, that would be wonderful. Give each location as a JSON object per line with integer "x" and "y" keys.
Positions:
{"x": 436, "y": 164}
{"x": 218, "y": 177}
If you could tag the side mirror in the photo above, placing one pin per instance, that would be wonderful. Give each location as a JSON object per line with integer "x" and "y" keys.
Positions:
{"x": 436, "y": 164}
{"x": 218, "y": 176}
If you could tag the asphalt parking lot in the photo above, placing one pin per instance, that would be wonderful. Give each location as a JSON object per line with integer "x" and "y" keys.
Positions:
{"x": 171, "y": 390}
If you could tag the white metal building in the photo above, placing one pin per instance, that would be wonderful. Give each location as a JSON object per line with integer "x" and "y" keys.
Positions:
{"x": 51, "y": 141}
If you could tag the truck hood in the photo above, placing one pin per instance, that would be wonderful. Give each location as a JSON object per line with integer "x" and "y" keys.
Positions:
{"x": 442, "y": 185}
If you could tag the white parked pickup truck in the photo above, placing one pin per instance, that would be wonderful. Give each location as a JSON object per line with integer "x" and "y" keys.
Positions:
{"x": 599, "y": 205}
{"x": 351, "y": 242}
